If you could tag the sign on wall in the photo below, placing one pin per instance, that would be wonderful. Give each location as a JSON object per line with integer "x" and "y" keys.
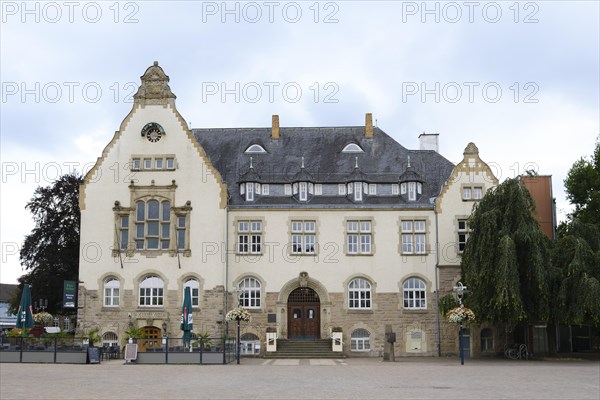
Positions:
{"x": 70, "y": 294}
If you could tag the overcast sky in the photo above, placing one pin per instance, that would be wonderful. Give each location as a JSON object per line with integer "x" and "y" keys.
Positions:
{"x": 520, "y": 79}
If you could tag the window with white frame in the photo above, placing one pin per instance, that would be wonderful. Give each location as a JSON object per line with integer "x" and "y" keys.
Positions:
{"x": 287, "y": 189}
{"x": 170, "y": 163}
{"x": 372, "y": 189}
{"x": 136, "y": 164}
{"x": 123, "y": 231}
{"x": 256, "y": 149}
{"x": 358, "y": 192}
{"x": 152, "y": 225}
{"x": 194, "y": 286}
{"x": 265, "y": 189}
{"x": 360, "y": 340}
{"x": 359, "y": 294}
{"x": 304, "y": 237}
{"x": 395, "y": 189}
{"x": 413, "y": 237}
{"x": 66, "y": 324}
{"x": 472, "y": 193}
{"x": 181, "y": 229}
{"x": 359, "y": 237}
{"x": 111, "y": 292}
{"x": 56, "y": 322}
{"x": 249, "y": 235}
{"x": 151, "y": 291}
{"x": 249, "y": 293}
{"x": 414, "y": 294}
{"x": 147, "y": 163}
{"x": 318, "y": 189}
{"x": 303, "y": 191}
{"x": 249, "y": 191}
{"x": 477, "y": 193}
{"x": 342, "y": 189}
{"x": 463, "y": 234}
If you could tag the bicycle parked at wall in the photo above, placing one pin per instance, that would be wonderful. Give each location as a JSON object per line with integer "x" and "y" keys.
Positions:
{"x": 517, "y": 352}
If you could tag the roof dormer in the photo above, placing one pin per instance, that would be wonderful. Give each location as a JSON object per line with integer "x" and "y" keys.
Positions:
{"x": 411, "y": 183}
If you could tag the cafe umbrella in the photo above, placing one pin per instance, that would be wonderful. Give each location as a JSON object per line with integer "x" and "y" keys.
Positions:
{"x": 25, "y": 312}
{"x": 187, "y": 320}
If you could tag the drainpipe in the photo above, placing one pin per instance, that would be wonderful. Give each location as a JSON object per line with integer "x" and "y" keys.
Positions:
{"x": 226, "y": 265}
{"x": 437, "y": 284}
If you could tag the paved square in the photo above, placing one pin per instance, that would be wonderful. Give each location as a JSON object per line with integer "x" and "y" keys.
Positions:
{"x": 414, "y": 378}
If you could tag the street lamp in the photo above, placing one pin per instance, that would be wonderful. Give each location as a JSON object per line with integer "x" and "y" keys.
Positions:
{"x": 460, "y": 291}
{"x": 239, "y": 292}
{"x": 41, "y": 305}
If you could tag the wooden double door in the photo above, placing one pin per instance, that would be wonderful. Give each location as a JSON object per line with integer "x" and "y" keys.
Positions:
{"x": 304, "y": 314}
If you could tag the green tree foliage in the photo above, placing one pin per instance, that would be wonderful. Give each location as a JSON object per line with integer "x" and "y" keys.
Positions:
{"x": 505, "y": 262}
{"x": 576, "y": 275}
{"x": 583, "y": 188}
{"x": 50, "y": 253}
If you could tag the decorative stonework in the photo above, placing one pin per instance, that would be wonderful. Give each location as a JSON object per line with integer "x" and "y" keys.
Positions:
{"x": 154, "y": 88}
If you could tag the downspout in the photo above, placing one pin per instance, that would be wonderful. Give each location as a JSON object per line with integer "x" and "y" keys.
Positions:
{"x": 437, "y": 284}
{"x": 226, "y": 266}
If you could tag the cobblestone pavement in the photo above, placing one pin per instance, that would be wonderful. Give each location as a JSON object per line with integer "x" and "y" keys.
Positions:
{"x": 423, "y": 378}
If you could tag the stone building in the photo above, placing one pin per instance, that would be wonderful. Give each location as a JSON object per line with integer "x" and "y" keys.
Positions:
{"x": 307, "y": 228}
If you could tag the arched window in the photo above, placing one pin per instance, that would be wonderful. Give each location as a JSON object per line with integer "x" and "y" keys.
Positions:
{"x": 360, "y": 340}
{"x": 194, "y": 286}
{"x": 352, "y": 148}
{"x": 152, "y": 225}
{"x": 487, "y": 339}
{"x": 109, "y": 339}
{"x": 359, "y": 294}
{"x": 151, "y": 291}
{"x": 249, "y": 293}
{"x": 111, "y": 292}
{"x": 414, "y": 294}
{"x": 255, "y": 148}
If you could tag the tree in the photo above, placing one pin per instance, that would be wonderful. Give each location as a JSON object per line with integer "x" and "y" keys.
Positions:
{"x": 583, "y": 188}
{"x": 51, "y": 251}
{"x": 505, "y": 262}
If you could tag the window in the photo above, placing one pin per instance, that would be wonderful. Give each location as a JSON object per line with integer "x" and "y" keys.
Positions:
{"x": 360, "y": 340}
{"x": 372, "y": 189}
{"x": 250, "y": 191}
{"x": 111, "y": 292}
{"x": 249, "y": 237}
{"x": 342, "y": 189}
{"x": 412, "y": 191}
{"x": 358, "y": 237}
{"x": 255, "y": 148}
{"x": 303, "y": 237}
{"x": 123, "y": 231}
{"x": 395, "y": 189}
{"x": 170, "y": 163}
{"x": 136, "y": 164}
{"x": 66, "y": 324}
{"x": 265, "y": 189}
{"x": 249, "y": 293}
{"x": 180, "y": 232}
{"x": 403, "y": 188}
{"x": 472, "y": 192}
{"x": 158, "y": 163}
{"x": 55, "y": 322}
{"x": 194, "y": 286}
{"x": 352, "y": 148}
{"x": 152, "y": 223}
{"x": 413, "y": 237}
{"x": 318, "y": 189}
{"x": 358, "y": 191}
{"x": 414, "y": 294}
{"x": 463, "y": 234}
{"x": 487, "y": 340}
{"x": 303, "y": 191}
{"x": 151, "y": 291}
{"x": 147, "y": 163}
{"x": 359, "y": 294}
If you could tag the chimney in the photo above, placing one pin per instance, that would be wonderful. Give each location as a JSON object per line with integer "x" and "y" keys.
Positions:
{"x": 275, "y": 127}
{"x": 369, "y": 126}
{"x": 429, "y": 141}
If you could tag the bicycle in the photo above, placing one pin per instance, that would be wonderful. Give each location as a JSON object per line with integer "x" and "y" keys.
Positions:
{"x": 517, "y": 352}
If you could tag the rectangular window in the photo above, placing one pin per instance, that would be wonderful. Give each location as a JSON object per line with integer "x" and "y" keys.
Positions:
{"x": 357, "y": 191}
{"x": 124, "y": 231}
{"x": 66, "y": 324}
{"x": 403, "y": 188}
{"x": 463, "y": 234}
{"x": 372, "y": 189}
{"x": 158, "y": 163}
{"x": 395, "y": 189}
{"x": 250, "y": 191}
{"x": 180, "y": 232}
{"x": 412, "y": 191}
{"x": 413, "y": 237}
{"x": 136, "y": 164}
{"x": 303, "y": 191}
{"x": 147, "y": 163}
{"x": 358, "y": 237}
{"x": 342, "y": 189}
{"x": 265, "y": 189}
{"x": 466, "y": 193}
{"x": 287, "y": 189}
{"x": 477, "y": 193}
{"x": 170, "y": 163}
{"x": 249, "y": 237}
{"x": 303, "y": 237}
{"x": 318, "y": 189}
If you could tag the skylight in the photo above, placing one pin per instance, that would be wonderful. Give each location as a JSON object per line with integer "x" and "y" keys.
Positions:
{"x": 255, "y": 148}
{"x": 352, "y": 148}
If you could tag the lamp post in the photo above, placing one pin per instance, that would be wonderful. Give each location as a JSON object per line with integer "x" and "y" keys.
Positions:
{"x": 460, "y": 290}
{"x": 239, "y": 291}
{"x": 41, "y": 305}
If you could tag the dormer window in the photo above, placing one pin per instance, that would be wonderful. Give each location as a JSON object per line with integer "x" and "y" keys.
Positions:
{"x": 303, "y": 191}
{"x": 255, "y": 149}
{"x": 414, "y": 190}
{"x": 352, "y": 148}
{"x": 358, "y": 186}
{"x": 249, "y": 191}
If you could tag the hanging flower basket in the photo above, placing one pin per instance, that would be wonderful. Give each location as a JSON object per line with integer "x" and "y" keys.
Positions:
{"x": 43, "y": 318}
{"x": 460, "y": 314}
{"x": 238, "y": 314}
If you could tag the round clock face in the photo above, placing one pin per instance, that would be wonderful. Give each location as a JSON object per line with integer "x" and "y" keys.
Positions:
{"x": 153, "y": 132}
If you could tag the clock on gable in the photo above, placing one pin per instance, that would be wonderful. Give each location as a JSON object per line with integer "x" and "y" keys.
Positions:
{"x": 153, "y": 132}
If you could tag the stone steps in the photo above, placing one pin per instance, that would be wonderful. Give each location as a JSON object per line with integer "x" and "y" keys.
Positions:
{"x": 320, "y": 348}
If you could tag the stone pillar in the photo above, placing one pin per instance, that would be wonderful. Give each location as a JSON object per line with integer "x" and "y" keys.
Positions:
{"x": 388, "y": 347}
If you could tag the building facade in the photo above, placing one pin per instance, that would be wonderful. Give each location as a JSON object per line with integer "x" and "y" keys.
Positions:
{"x": 310, "y": 229}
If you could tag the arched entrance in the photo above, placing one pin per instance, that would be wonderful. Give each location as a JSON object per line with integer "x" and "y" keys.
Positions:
{"x": 152, "y": 338}
{"x": 304, "y": 317}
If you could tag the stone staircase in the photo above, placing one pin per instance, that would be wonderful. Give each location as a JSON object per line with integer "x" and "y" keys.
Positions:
{"x": 319, "y": 348}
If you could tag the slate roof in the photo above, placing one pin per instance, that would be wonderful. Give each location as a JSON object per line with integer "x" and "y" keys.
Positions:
{"x": 384, "y": 160}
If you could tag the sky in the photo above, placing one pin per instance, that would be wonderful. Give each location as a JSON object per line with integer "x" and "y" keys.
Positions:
{"x": 519, "y": 79}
